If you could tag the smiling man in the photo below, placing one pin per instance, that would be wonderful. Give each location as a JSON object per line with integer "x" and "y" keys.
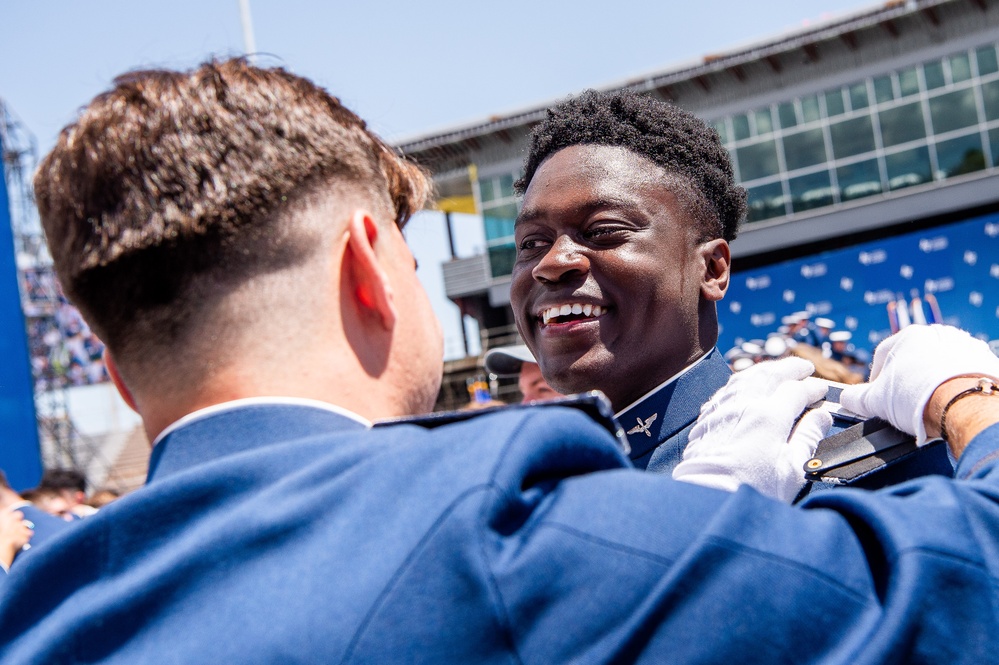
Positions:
{"x": 622, "y": 254}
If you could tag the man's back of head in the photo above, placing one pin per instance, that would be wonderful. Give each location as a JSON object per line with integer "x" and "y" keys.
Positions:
{"x": 193, "y": 217}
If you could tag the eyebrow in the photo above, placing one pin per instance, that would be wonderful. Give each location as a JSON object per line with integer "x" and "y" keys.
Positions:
{"x": 531, "y": 214}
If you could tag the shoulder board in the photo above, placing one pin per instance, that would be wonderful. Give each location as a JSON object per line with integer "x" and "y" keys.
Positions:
{"x": 857, "y": 451}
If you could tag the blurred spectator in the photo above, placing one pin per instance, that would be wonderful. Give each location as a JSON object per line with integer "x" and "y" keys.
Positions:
{"x": 518, "y": 361}
{"x": 103, "y": 497}
{"x": 783, "y": 344}
{"x": 70, "y": 485}
{"x": 52, "y": 502}
{"x": 43, "y": 525}
{"x": 799, "y": 328}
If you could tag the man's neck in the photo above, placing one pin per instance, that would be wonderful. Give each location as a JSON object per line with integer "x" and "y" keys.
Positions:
{"x": 659, "y": 386}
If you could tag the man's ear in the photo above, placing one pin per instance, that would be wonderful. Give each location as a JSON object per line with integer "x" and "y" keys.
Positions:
{"x": 371, "y": 285}
{"x": 717, "y": 258}
{"x": 123, "y": 390}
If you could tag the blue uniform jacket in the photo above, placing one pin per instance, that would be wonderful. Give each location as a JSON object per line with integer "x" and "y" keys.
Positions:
{"x": 272, "y": 534}
{"x": 658, "y": 427}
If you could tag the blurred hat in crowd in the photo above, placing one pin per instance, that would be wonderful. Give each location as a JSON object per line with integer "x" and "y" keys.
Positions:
{"x": 796, "y": 317}
{"x": 840, "y": 336}
{"x": 506, "y": 360}
{"x": 822, "y": 322}
{"x": 776, "y": 346}
{"x": 733, "y": 352}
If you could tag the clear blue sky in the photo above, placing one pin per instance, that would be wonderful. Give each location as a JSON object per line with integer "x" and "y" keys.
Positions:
{"x": 407, "y": 67}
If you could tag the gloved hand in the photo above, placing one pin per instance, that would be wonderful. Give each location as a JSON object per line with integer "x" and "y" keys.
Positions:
{"x": 744, "y": 433}
{"x": 909, "y": 366}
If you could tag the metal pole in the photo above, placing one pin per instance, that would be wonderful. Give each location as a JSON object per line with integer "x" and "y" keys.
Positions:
{"x": 249, "y": 43}
{"x": 450, "y": 242}
{"x": 450, "y": 233}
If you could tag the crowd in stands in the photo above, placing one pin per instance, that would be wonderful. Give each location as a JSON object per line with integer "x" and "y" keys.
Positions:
{"x": 835, "y": 357}
{"x": 64, "y": 351}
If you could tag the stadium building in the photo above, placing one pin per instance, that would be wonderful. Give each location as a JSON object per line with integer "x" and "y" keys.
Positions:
{"x": 869, "y": 147}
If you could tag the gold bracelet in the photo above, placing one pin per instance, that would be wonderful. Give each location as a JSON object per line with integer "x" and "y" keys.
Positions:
{"x": 986, "y": 386}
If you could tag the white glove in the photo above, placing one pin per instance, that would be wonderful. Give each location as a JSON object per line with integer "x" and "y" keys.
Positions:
{"x": 909, "y": 366}
{"x": 742, "y": 435}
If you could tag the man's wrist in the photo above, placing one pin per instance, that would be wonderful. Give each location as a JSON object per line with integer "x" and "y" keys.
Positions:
{"x": 967, "y": 414}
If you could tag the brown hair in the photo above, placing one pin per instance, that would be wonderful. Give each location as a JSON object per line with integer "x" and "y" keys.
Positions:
{"x": 167, "y": 182}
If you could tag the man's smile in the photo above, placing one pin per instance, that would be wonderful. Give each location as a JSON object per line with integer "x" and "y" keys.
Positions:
{"x": 569, "y": 312}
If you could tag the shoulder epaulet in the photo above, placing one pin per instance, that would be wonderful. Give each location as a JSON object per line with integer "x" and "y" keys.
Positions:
{"x": 858, "y": 451}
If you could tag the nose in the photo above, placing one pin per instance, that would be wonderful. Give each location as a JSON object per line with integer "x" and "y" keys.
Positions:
{"x": 563, "y": 259}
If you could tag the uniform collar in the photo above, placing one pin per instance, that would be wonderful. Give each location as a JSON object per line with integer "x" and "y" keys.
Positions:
{"x": 241, "y": 425}
{"x": 673, "y": 404}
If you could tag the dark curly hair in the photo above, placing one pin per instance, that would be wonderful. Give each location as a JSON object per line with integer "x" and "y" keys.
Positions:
{"x": 674, "y": 139}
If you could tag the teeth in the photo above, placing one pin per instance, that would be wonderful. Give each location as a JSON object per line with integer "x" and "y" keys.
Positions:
{"x": 565, "y": 310}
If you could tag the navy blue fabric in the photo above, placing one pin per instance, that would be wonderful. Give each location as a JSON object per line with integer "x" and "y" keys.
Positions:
{"x": 271, "y": 535}
{"x": 675, "y": 408}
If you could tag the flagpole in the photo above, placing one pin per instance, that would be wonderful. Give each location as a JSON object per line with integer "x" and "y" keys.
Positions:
{"x": 249, "y": 43}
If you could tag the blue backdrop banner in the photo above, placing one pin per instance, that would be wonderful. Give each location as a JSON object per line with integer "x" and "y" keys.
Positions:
{"x": 949, "y": 272}
{"x": 19, "y": 452}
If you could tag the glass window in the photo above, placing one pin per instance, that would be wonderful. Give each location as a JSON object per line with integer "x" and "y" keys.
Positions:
{"x": 764, "y": 122}
{"x": 722, "y": 130}
{"x": 498, "y": 225}
{"x": 908, "y": 168}
{"x": 758, "y": 160}
{"x": 987, "y": 63}
{"x": 902, "y": 124}
{"x": 908, "y": 82}
{"x": 803, "y": 149}
{"x": 501, "y": 259}
{"x": 810, "y": 109}
{"x": 858, "y": 96}
{"x": 502, "y": 218}
{"x": 765, "y": 202}
{"x": 990, "y": 97}
{"x": 953, "y": 110}
{"x": 859, "y": 180}
{"x": 883, "y": 89}
{"x": 486, "y": 190}
{"x": 506, "y": 187}
{"x": 834, "y": 103}
{"x": 810, "y": 191}
{"x": 740, "y": 127}
{"x": 787, "y": 115}
{"x": 961, "y": 155}
{"x": 852, "y": 137}
{"x": 960, "y": 67}
{"x": 934, "y": 75}
{"x": 994, "y": 145}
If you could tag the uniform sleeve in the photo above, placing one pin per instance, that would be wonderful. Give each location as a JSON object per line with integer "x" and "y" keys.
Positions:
{"x": 613, "y": 564}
